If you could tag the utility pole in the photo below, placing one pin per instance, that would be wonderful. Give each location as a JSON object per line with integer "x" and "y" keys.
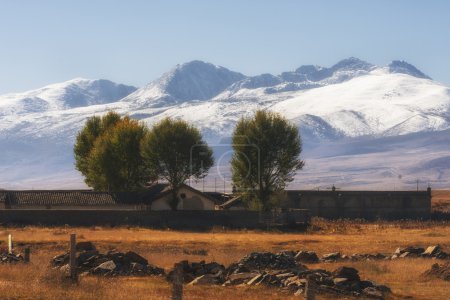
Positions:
{"x": 215, "y": 184}
{"x": 417, "y": 184}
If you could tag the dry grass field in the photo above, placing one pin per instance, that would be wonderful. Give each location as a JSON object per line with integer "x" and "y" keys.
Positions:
{"x": 441, "y": 200}
{"x": 164, "y": 247}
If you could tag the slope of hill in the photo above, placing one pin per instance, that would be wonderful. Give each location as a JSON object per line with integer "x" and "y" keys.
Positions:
{"x": 77, "y": 92}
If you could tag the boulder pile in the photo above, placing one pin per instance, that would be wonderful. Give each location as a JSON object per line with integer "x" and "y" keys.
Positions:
{"x": 429, "y": 252}
{"x": 283, "y": 271}
{"x": 211, "y": 273}
{"x": 440, "y": 271}
{"x": 6, "y": 257}
{"x": 410, "y": 252}
{"x": 112, "y": 263}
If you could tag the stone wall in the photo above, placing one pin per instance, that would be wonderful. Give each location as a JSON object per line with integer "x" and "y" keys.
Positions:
{"x": 158, "y": 219}
{"x": 362, "y": 204}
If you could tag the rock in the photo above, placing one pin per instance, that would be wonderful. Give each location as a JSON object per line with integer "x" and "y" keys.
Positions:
{"x": 85, "y": 246}
{"x": 331, "y": 256}
{"x": 306, "y": 257}
{"x": 265, "y": 260}
{"x": 346, "y": 272}
{"x": 136, "y": 267}
{"x": 134, "y": 257}
{"x": 61, "y": 259}
{"x": 439, "y": 271}
{"x": 284, "y": 275}
{"x": 65, "y": 269}
{"x": 105, "y": 267}
{"x": 431, "y": 250}
{"x": 373, "y": 293}
{"x": 240, "y": 277}
{"x": 255, "y": 279}
{"x": 338, "y": 280}
{"x": 214, "y": 268}
{"x": 204, "y": 280}
{"x": 87, "y": 256}
{"x": 410, "y": 249}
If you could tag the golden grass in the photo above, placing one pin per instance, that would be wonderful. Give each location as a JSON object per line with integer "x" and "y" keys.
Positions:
{"x": 165, "y": 247}
{"x": 440, "y": 200}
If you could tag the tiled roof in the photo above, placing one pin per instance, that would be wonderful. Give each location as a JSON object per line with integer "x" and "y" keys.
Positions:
{"x": 86, "y": 197}
{"x": 78, "y": 197}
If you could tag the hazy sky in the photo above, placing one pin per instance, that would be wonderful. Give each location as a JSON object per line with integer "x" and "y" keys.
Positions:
{"x": 134, "y": 42}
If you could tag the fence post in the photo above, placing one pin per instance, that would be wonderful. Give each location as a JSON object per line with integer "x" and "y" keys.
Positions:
{"x": 177, "y": 284}
{"x": 10, "y": 244}
{"x": 73, "y": 258}
{"x": 309, "y": 289}
{"x": 26, "y": 255}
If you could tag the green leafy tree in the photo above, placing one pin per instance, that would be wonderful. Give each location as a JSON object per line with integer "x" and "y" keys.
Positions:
{"x": 108, "y": 154}
{"x": 84, "y": 143}
{"x": 115, "y": 162}
{"x": 174, "y": 151}
{"x": 266, "y": 156}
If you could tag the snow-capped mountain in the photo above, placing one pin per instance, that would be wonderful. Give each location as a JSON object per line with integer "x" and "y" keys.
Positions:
{"x": 78, "y": 92}
{"x": 195, "y": 80}
{"x": 360, "y": 123}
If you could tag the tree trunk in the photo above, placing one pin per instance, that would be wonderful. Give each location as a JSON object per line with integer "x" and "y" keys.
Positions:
{"x": 174, "y": 200}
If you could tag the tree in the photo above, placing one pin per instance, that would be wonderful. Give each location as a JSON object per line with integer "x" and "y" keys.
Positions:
{"x": 108, "y": 154}
{"x": 174, "y": 151}
{"x": 266, "y": 156}
{"x": 84, "y": 143}
{"x": 115, "y": 162}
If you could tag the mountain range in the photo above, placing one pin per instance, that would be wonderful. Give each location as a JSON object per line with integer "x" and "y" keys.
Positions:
{"x": 363, "y": 126}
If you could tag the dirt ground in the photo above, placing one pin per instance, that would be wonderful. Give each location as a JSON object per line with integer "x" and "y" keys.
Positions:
{"x": 165, "y": 247}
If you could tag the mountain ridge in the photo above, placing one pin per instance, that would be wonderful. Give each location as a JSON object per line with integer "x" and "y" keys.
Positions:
{"x": 350, "y": 101}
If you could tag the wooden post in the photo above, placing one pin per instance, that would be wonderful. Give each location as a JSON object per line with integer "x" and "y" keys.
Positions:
{"x": 177, "y": 284}
{"x": 309, "y": 289}
{"x": 10, "y": 244}
{"x": 73, "y": 258}
{"x": 26, "y": 255}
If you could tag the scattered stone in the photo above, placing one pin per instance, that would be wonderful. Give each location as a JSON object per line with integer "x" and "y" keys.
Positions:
{"x": 113, "y": 263}
{"x": 307, "y": 257}
{"x": 85, "y": 246}
{"x": 134, "y": 257}
{"x": 346, "y": 272}
{"x": 206, "y": 279}
{"x": 331, "y": 256}
{"x": 11, "y": 258}
{"x": 439, "y": 271}
{"x": 431, "y": 250}
{"x": 373, "y": 292}
{"x": 103, "y": 268}
{"x": 281, "y": 270}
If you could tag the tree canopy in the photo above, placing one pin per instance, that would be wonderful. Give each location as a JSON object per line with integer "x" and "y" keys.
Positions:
{"x": 173, "y": 150}
{"x": 266, "y": 156}
{"x": 108, "y": 153}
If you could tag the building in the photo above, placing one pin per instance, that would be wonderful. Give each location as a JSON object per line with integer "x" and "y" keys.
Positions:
{"x": 155, "y": 197}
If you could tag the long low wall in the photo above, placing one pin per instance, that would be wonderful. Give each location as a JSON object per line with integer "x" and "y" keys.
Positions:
{"x": 157, "y": 219}
{"x": 362, "y": 204}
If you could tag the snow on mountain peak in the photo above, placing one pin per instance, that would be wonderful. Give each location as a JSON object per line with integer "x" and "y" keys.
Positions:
{"x": 77, "y": 92}
{"x": 399, "y": 66}
{"x": 194, "y": 80}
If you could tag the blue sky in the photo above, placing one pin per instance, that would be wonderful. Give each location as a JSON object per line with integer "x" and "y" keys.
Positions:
{"x": 133, "y": 42}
